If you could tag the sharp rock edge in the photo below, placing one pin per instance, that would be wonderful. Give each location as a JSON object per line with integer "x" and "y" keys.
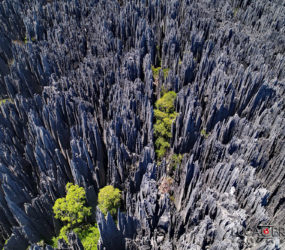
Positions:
{"x": 79, "y": 76}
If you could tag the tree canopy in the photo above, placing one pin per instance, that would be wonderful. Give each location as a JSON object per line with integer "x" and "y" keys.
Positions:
{"x": 165, "y": 115}
{"x": 109, "y": 200}
{"x": 72, "y": 208}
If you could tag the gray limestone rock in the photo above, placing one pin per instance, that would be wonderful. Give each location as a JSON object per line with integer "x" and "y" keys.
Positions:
{"x": 78, "y": 78}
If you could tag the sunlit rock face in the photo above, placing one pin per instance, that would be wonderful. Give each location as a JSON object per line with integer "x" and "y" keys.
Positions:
{"x": 81, "y": 94}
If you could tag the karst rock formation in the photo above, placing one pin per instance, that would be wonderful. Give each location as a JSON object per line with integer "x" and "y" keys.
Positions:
{"x": 81, "y": 96}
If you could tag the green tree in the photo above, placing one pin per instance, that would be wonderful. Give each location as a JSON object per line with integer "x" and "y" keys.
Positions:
{"x": 89, "y": 236}
{"x": 109, "y": 200}
{"x": 164, "y": 114}
{"x": 72, "y": 209}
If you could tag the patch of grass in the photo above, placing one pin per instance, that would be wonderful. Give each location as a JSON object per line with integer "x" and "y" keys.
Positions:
{"x": 25, "y": 40}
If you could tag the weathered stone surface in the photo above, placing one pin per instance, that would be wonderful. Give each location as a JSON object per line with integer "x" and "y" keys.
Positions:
{"x": 82, "y": 92}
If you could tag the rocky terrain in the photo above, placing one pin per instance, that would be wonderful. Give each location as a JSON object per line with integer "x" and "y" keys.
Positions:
{"x": 77, "y": 75}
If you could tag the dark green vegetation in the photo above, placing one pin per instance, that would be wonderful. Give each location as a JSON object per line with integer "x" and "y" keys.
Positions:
{"x": 73, "y": 211}
{"x": 164, "y": 114}
{"x": 109, "y": 200}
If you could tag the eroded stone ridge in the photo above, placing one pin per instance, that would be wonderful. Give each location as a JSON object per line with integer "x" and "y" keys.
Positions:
{"x": 79, "y": 75}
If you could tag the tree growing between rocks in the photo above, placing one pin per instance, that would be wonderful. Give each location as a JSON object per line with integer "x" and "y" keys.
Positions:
{"x": 109, "y": 200}
{"x": 164, "y": 114}
{"x": 72, "y": 210}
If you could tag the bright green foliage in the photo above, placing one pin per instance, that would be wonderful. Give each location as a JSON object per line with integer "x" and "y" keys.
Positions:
{"x": 176, "y": 160}
{"x": 109, "y": 200}
{"x": 161, "y": 146}
{"x": 72, "y": 209}
{"x": 166, "y": 103}
{"x": 165, "y": 115}
{"x": 204, "y": 134}
{"x": 165, "y": 72}
{"x": 3, "y": 101}
{"x": 155, "y": 72}
{"x": 54, "y": 241}
{"x": 89, "y": 236}
{"x": 6, "y": 241}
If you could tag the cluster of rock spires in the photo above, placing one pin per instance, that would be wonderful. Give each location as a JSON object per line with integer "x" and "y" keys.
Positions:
{"x": 81, "y": 89}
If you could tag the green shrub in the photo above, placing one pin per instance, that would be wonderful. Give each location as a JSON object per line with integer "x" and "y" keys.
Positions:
{"x": 166, "y": 102}
{"x": 89, "y": 236}
{"x": 204, "y": 134}
{"x": 164, "y": 114}
{"x": 155, "y": 72}
{"x": 72, "y": 209}
{"x": 165, "y": 72}
{"x": 109, "y": 200}
{"x": 176, "y": 160}
{"x": 3, "y": 101}
{"x": 161, "y": 147}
